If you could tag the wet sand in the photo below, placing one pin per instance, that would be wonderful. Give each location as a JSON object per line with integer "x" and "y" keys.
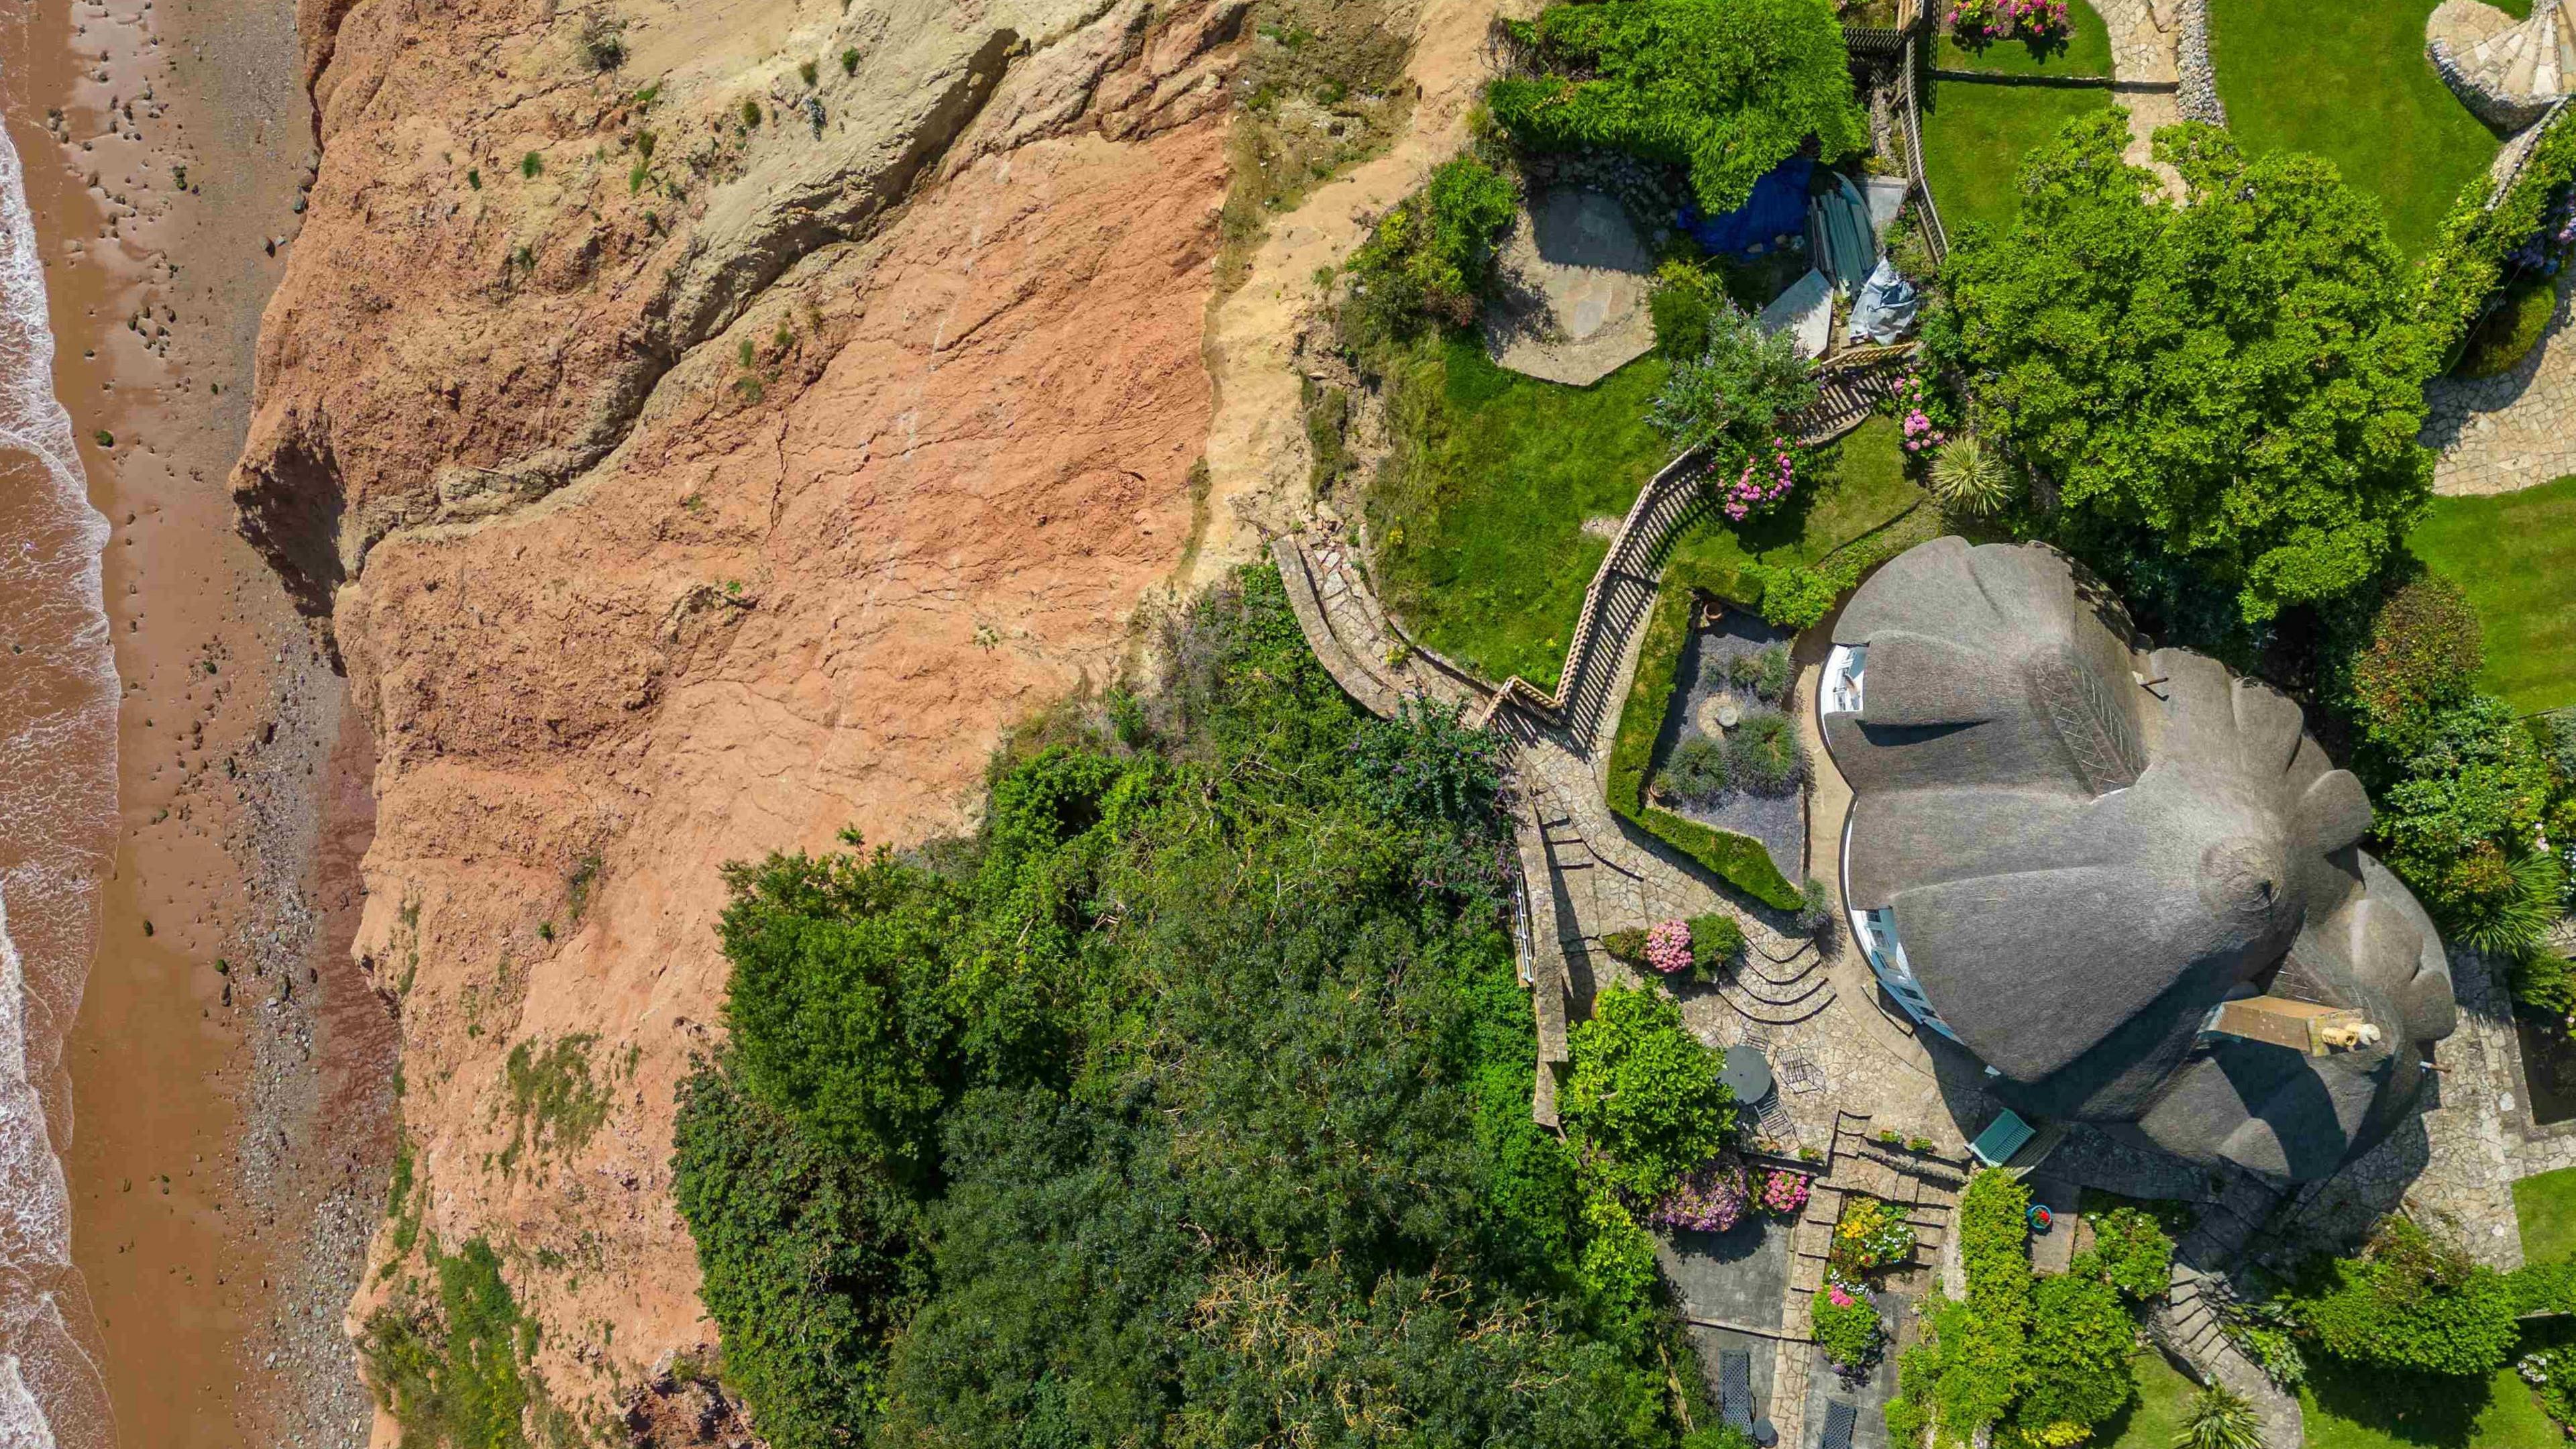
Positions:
{"x": 230, "y": 1075}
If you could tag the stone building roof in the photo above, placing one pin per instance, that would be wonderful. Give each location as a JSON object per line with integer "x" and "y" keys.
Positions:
{"x": 2086, "y": 846}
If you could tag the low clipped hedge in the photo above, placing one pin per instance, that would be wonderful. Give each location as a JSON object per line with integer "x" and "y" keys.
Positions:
{"x": 1739, "y": 860}
{"x": 2466, "y": 263}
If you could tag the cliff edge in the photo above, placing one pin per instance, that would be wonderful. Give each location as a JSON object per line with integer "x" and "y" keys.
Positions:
{"x": 705, "y": 427}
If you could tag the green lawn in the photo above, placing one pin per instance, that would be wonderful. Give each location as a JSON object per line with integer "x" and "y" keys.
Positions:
{"x": 2345, "y": 1407}
{"x": 1479, "y": 517}
{"x": 2155, "y": 1416}
{"x": 2546, "y": 1207}
{"x": 2349, "y": 82}
{"x": 2086, "y": 52}
{"x": 1975, "y": 136}
{"x": 2513, "y": 554}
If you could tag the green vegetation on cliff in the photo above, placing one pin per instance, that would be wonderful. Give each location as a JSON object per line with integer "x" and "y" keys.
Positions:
{"x": 1186, "y": 1103}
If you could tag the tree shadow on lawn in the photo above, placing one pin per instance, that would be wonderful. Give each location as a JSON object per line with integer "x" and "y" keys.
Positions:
{"x": 2436, "y": 1411}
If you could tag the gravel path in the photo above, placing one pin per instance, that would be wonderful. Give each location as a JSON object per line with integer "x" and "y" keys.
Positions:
{"x": 2498, "y": 434}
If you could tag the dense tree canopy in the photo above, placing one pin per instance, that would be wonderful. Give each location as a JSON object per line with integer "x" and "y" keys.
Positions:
{"x": 2233, "y": 382}
{"x": 1188, "y": 1104}
{"x": 1726, "y": 88}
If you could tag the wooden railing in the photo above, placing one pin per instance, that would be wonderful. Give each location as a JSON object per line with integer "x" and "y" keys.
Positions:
{"x": 1909, "y": 120}
{"x": 1622, "y": 591}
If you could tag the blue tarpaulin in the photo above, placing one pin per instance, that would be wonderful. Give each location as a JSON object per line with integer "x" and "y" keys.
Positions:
{"x": 1777, "y": 208}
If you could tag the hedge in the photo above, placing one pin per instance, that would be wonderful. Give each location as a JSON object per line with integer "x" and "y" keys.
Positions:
{"x": 2466, "y": 263}
{"x": 1739, "y": 860}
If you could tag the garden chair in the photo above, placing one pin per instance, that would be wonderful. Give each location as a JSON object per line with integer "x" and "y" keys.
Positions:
{"x": 1840, "y": 1420}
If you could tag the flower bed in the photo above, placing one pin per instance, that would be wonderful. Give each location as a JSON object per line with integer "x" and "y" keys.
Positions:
{"x": 1782, "y": 1193}
{"x": 1845, "y": 1325}
{"x": 1710, "y": 1200}
{"x": 1871, "y": 1235}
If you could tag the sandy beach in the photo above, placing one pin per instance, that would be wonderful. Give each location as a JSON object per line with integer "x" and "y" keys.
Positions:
{"x": 230, "y": 1076}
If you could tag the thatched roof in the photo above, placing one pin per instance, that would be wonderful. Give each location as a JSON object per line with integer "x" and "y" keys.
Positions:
{"x": 2086, "y": 846}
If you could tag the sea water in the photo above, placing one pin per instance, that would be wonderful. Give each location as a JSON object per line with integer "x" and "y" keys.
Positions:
{"x": 58, "y": 825}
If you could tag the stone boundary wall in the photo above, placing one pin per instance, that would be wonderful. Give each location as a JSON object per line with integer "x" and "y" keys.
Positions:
{"x": 2199, "y": 97}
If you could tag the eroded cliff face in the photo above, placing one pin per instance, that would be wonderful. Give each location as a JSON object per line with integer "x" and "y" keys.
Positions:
{"x": 696, "y": 458}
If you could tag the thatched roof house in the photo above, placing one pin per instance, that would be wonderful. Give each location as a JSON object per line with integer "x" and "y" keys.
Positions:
{"x": 2066, "y": 854}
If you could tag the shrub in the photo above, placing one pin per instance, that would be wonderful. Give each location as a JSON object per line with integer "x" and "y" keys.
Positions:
{"x": 1815, "y": 906}
{"x": 750, "y": 113}
{"x": 1799, "y": 598}
{"x": 1771, "y": 672}
{"x": 1696, "y": 772}
{"x": 1685, "y": 300}
{"x": 1726, "y": 88}
{"x": 531, "y": 164}
{"x": 1763, "y": 753}
{"x": 1431, "y": 257}
{"x": 1968, "y": 476}
{"x": 2412, "y": 1304}
{"x": 1427, "y": 765}
{"x": 849, "y": 62}
{"x": 2422, "y": 656}
{"x": 1642, "y": 1101}
{"x": 2499, "y": 343}
{"x": 2458, "y": 824}
{"x": 1626, "y": 947}
{"x": 2082, "y": 1342}
{"x": 2132, "y": 1253}
{"x": 1737, "y": 392}
{"x": 2220, "y": 1418}
{"x": 2542, "y": 978}
{"x": 1845, "y": 1326}
{"x": 1708, "y": 1199}
{"x": 603, "y": 42}
{"x": 807, "y": 1260}
{"x": 1715, "y": 940}
{"x": 806, "y": 71}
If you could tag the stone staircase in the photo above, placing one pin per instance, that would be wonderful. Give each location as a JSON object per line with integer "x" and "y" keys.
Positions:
{"x": 1778, "y": 993}
{"x": 2507, "y": 71}
{"x": 2187, "y": 1323}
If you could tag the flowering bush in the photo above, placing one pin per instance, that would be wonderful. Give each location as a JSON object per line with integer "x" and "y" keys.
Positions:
{"x": 2039, "y": 20}
{"x": 1710, "y": 1200}
{"x": 1920, "y": 415}
{"x": 1845, "y": 1326}
{"x": 1870, "y": 1235}
{"x": 1784, "y": 1192}
{"x": 2552, "y": 1371}
{"x": 1978, "y": 22}
{"x": 1668, "y": 946}
{"x": 1768, "y": 475}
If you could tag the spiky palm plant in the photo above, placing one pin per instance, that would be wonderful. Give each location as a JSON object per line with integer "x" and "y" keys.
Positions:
{"x": 2512, "y": 921}
{"x": 2220, "y": 1418}
{"x": 1968, "y": 475}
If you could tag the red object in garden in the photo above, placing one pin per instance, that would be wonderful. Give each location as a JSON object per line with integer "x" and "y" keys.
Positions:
{"x": 2040, "y": 1218}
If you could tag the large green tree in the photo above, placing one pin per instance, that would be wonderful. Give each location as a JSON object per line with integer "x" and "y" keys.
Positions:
{"x": 1726, "y": 88}
{"x": 2232, "y": 381}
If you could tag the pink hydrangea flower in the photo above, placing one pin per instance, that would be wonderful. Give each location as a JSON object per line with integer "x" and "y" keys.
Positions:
{"x": 1668, "y": 946}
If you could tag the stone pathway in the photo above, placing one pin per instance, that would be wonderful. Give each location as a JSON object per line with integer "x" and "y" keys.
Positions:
{"x": 2146, "y": 72}
{"x": 2497, "y": 434}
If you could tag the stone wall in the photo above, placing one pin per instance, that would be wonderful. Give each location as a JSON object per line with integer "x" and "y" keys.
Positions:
{"x": 2199, "y": 74}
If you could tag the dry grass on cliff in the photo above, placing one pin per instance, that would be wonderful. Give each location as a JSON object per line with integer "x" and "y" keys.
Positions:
{"x": 1322, "y": 89}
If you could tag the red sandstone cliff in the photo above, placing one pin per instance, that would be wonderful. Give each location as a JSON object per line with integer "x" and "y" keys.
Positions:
{"x": 678, "y": 499}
